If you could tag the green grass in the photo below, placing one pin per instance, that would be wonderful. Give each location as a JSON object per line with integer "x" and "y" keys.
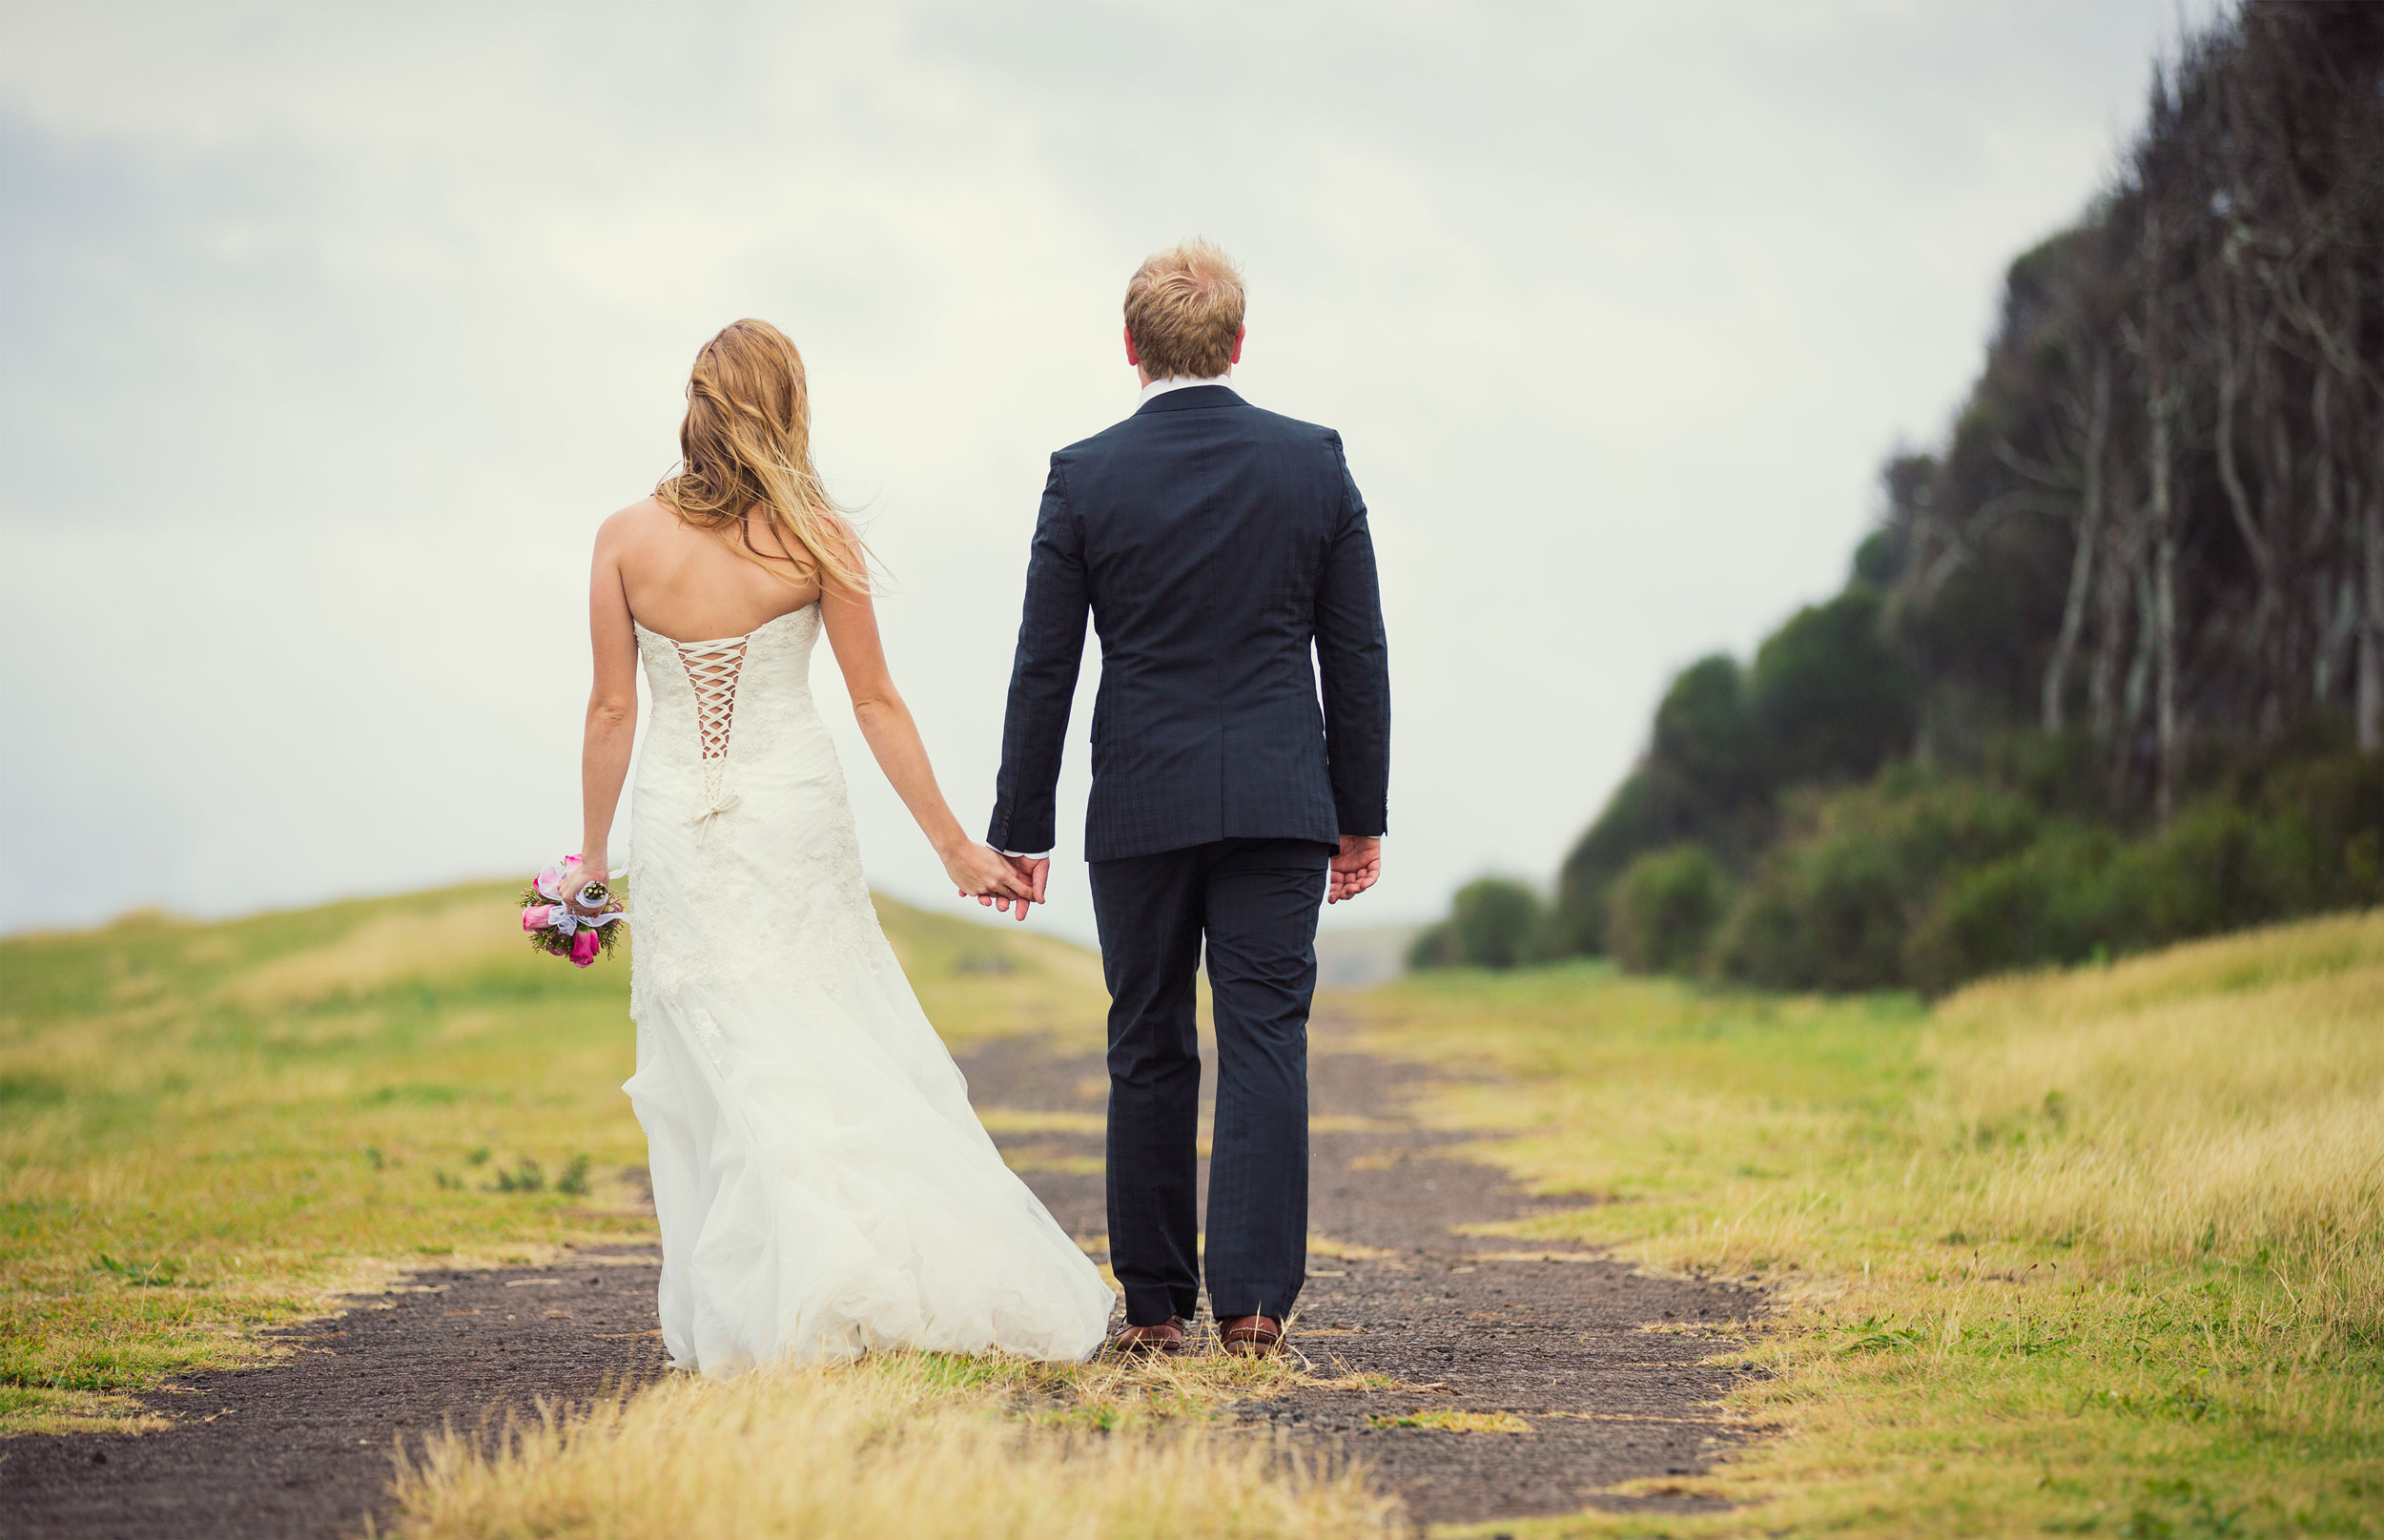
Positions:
{"x": 2097, "y": 1252}
{"x": 207, "y": 1128}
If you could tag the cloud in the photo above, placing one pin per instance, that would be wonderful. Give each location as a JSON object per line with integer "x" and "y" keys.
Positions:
{"x": 331, "y": 331}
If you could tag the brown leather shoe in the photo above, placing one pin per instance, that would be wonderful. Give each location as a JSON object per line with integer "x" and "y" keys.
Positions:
{"x": 1134, "y": 1342}
{"x": 1251, "y": 1336}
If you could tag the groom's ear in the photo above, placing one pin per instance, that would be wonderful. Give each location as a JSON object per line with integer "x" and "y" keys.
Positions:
{"x": 1136, "y": 358}
{"x": 1235, "y": 357}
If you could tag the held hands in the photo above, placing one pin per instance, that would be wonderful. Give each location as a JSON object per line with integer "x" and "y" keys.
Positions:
{"x": 1357, "y": 867}
{"x": 982, "y": 872}
{"x": 1010, "y": 883}
{"x": 1030, "y": 871}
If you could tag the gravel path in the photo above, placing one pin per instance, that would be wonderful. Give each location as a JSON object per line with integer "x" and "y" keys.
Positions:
{"x": 303, "y": 1447}
{"x": 1605, "y": 1368}
{"x": 1597, "y": 1374}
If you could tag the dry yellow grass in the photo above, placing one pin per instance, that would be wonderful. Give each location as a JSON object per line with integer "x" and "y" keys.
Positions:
{"x": 389, "y": 948}
{"x": 922, "y": 1447}
{"x": 2086, "y": 1252}
{"x": 2226, "y": 1098}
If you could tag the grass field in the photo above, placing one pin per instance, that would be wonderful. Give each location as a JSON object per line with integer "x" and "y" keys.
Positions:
{"x": 2098, "y": 1252}
{"x": 203, "y": 1128}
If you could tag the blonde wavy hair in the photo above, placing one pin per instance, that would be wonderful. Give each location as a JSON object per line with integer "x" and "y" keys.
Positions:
{"x": 746, "y": 446}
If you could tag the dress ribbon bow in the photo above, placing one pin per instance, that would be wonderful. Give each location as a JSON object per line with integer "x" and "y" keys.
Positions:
{"x": 717, "y": 800}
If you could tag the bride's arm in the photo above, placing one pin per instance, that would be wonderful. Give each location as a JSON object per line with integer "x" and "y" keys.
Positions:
{"x": 975, "y": 870}
{"x": 611, "y": 704}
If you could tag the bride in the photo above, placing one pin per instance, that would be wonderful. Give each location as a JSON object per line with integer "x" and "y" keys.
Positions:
{"x": 822, "y": 1185}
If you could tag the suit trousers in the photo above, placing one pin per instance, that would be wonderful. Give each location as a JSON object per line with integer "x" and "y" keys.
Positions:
{"x": 1255, "y": 901}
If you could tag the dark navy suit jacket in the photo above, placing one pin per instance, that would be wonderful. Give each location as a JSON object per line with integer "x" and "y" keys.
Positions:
{"x": 1214, "y": 544}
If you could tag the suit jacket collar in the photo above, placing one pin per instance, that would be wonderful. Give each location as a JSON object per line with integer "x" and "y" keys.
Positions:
{"x": 1190, "y": 398}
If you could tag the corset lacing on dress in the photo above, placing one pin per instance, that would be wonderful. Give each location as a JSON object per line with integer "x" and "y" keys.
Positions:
{"x": 712, "y": 669}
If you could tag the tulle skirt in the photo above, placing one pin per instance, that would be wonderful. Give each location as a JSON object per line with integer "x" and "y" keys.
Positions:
{"x": 817, "y": 1200}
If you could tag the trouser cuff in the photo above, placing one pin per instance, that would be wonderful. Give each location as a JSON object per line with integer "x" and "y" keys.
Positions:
{"x": 1152, "y": 1304}
{"x": 1228, "y": 1300}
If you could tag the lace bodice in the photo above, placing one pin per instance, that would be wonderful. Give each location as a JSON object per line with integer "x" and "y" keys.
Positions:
{"x": 742, "y": 844}
{"x": 705, "y": 693}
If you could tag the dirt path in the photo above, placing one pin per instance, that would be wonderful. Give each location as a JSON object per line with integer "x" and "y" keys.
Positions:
{"x": 1602, "y": 1365}
{"x": 1563, "y": 1346}
{"x": 303, "y": 1448}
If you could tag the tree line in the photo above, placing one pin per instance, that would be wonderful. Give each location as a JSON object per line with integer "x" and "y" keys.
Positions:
{"x": 2110, "y": 670}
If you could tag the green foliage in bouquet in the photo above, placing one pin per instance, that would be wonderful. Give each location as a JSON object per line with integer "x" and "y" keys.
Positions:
{"x": 553, "y": 942}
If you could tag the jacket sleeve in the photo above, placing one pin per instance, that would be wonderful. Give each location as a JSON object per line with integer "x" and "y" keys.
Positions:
{"x": 1354, "y": 660}
{"x": 1042, "y": 678}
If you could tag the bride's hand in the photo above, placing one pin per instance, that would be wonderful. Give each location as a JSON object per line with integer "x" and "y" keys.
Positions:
{"x": 578, "y": 873}
{"x": 980, "y": 872}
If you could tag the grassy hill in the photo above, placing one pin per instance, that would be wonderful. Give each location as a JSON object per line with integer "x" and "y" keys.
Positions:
{"x": 205, "y": 1126}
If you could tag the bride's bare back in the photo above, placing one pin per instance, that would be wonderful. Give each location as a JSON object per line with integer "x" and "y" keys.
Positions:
{"x": 688, "y": 584}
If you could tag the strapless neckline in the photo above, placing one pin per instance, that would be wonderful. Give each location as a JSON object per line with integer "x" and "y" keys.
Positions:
{"x": 725, "y": 641}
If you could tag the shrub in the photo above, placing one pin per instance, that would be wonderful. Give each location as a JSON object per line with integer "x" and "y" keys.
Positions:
{"x": 2277, "y": 843}
{"x": 1664, "y": 910}
{"x": 1831, "y": 907}
{"x": 1434, "y": 947}
{"x": 2282, "y": 841}
{"x": 1494, "y": 924}
{"x": 2054, "y": 902}
{"x": 1925, "y": 880}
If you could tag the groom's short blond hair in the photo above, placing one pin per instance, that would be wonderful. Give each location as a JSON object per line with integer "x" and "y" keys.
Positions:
{"x": 1184, "y": 310}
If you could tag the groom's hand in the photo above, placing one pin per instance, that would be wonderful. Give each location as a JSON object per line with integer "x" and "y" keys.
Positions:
{"x": 1033, "y": 871}
{"x": 1356, "y": 867}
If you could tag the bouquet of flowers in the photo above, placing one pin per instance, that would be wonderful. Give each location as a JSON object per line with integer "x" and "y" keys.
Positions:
{"x": 578, "y": 926}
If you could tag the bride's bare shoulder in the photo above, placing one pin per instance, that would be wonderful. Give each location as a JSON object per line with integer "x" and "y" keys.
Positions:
{"x": 643, "y": 519}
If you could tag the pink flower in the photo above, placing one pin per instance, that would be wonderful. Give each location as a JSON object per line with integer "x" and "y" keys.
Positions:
{"x": 538, "y": 916}
{"x": 583, "y": 947}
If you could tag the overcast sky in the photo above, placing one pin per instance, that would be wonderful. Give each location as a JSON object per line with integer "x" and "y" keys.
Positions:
{"x": 331, "y": 331}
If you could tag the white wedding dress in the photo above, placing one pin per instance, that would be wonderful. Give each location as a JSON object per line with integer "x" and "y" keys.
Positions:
{"x": 822, "y": 1185}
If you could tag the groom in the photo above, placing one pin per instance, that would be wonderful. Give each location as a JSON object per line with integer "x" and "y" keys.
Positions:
{"x": 1214, "y": 544}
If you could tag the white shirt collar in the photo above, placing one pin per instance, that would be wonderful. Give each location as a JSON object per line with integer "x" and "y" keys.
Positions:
{"x": 1160, "y": 387}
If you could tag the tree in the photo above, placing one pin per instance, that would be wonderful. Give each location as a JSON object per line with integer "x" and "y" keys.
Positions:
{"x": 1830, "y": 699}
